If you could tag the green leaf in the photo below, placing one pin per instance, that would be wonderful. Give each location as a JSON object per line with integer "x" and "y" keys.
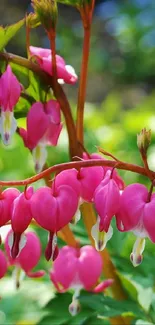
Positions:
{"x": 110, "y": 307}
{"x": 129, "y": 285}
{"x": 9, "y": 32}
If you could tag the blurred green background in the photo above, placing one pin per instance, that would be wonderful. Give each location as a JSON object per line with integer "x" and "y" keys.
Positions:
{"x": 120, "y": 102}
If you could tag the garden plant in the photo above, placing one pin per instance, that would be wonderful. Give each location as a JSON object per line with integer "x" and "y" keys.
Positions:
{"x": 87, "y": 191}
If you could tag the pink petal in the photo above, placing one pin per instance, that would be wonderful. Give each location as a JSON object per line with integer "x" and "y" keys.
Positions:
{"x": 65, "y": 267}
{"x": 44, "y": 208}
{"x": 67, "y": 201}
{"x": 40, "y": 52}
{"x": 89, "y": 266}
{"x": 149, "y": 218}
{"x": 10, "y": 89}
{"x": 103, "y": 285}
{"x": 132, "y": 204}
{"x": 3, "y": 264}
{"x": 37, "y": 124}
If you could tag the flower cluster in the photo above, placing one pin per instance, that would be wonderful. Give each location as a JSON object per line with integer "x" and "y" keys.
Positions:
{"x": 43, "y": 125}
{"x": 74, "y": 268}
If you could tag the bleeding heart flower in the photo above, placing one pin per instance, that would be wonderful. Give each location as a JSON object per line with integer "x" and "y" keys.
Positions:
{"x": 3, "y": 264}
{"x": 53, "y": 209}
{"x": 136, "y": 214}
{"x": 43, "y": 128}
{"x": 7, "y": 198}
{"x": 28, "y": 257}
{"x": 115, "y": 174}
{"x": 78, "y": 268}
{"x": 107, "y": 201}
{"x": 10, "y": 90}
{"x": 65, "y": 73}
{"x": 20, "y": 220}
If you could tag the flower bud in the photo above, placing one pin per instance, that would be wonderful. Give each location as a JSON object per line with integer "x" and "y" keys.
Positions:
{"x": 32, "y": 20}
{"x": 143, "y": 140}
{"x": 47, "y": 13}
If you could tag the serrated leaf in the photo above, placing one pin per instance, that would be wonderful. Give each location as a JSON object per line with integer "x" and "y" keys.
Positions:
{"x": 6, "y": 33}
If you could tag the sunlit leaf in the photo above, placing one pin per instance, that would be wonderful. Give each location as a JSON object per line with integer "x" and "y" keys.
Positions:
{"x": 7, "y": 33}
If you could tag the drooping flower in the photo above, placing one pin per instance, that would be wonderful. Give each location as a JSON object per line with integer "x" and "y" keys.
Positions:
{"x": 7, "y": 198}
{"x": 20, "y": 220}
{"x": 65, "y": 73}
{"x": 10, "y": 90}
{"x": 28, "y": 257}
{"x": 78, "y": 268}
{"x": 3, "y": 264}
{"x": 115, "y": 174}
{"x": 84, "y": 182}
{"x": 53, "y": 209}
{"x": 43, "y": 128}
{"x": 136, "y": 214}
{"x": 107, "y": 201}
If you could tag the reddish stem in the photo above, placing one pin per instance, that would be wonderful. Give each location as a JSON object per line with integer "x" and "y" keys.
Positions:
{"x": 78, "y": 164}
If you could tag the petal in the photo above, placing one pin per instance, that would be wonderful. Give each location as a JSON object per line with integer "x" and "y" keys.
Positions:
{"x": 8, "y": 126}
{"x": 39, "y": 154}
{"x": 101, "y": 237}
{"x": 89, "y": 266}
{"x": 52, "y": 108}
{"x": 38, "y": 51}
{"x": 37, "y": 124}
{"x": 10, "y": 89}
{"x": 103, "y": 285}
{"x": 132, "y": 203}
{"x": 138, "y": 248}
{"x": 149, "y": 219}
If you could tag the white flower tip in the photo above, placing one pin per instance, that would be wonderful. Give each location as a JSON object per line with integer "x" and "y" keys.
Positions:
{"x": 74, "y": 307}
{"x": 136, "y": 260}
{"x": 101, "y": 237}
{"x": 8, "y": 126}
{"x": 39, "y": 154}
{"x": 136, "y": 256}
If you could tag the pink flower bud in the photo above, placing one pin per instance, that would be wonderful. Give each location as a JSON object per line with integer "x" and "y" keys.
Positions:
{"x": 65, "y": 73}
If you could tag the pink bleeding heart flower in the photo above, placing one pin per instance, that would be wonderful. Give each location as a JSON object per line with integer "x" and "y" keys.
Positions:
{"x": 3, "y": 265}
{"x": 107, "y": 202}
{"x": 53, "y": 209}
{"x": 43, "y": 128}
{"x": 28, "y": 258}
{"x": 115, "y": 174}
{"x": 65, "y": 73}
{"x": 70, "y": 177}
{"x": 84, "y": 182}
{"x": 7, "y": 198}
{"x": 10, "y": 90}
{"x": 20, "y": 220}
{"x": 136, "y": 214}
{"x": 78, "y": 268}
{"x": 90, "y": 178}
